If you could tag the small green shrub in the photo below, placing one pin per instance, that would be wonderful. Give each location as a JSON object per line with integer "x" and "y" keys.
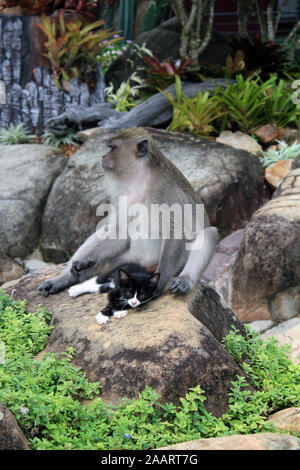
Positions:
{"x": 196, "y": 115}
{"x": 48, "y": 138}
{"x": 285, "y": 152}
{"x": 46, "y": 395}
{"x": 126, "y": 97}
{"x": 16, "y": 135}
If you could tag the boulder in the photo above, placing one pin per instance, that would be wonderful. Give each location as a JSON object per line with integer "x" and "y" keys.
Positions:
{"x": 263, "y": 441}
{"x": 161, "y": 345}
{"x": 268, "y": 262}
{"x": 287, "y": 332}
{"x": 230, "y": 182}
{"x": 11, "y": 436}
{"x": 27, "y": 174}
{"x": 9, "y": 269}
{"x": 288, "y": 419}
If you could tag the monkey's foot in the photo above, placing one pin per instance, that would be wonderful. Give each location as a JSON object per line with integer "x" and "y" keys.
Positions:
{"x": 120, "y": 314}
{"x": 79, "y": 266}
{"x": 180, "y": 285}
{"x": 101, "y": 319}
{"x": 74, "y": 291}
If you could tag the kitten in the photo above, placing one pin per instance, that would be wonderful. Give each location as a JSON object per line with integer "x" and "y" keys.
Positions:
{"x": 128, "y": 286}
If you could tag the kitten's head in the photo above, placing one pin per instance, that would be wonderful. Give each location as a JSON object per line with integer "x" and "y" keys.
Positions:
{"x": 137, "y": 291}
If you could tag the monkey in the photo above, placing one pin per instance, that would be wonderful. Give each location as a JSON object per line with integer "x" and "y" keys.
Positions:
{"x": 134, "y": 167}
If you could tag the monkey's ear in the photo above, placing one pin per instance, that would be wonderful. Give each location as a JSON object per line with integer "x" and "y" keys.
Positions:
{"x": 142, "y": 148}
{"x": 124, "y": 279}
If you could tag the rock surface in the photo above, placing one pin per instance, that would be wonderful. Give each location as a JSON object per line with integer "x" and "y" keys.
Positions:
{"x": 239, "y": 140}
{"x": 288, "y": 419}
{"x": 230, "y": 182}
{"x": 11, "y": 436}
{"x": 264, "y": 441}
{"x": 275, "y": 173}
{"x": 27, "y": 174}
{"x": 268, "y": 262}
{"x": 287, "y": 332}
{"x": 162, "y": 344}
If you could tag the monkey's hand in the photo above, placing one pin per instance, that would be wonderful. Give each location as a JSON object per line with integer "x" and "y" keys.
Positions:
{"x": 79, "y": 266}
{"x": 180, "y": 285}
{"x": 52, "y": 286}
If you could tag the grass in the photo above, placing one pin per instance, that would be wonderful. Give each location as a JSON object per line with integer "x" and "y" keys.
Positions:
{"x": 46, "y": 396}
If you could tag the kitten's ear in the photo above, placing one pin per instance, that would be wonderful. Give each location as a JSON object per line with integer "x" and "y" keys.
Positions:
{"x": 153, "y": 281}
{"x": 124, "y": 279}
{"x": 142, "y": 148}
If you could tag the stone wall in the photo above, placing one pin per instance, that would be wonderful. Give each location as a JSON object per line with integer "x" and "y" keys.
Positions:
{"x": 30, "y": 94}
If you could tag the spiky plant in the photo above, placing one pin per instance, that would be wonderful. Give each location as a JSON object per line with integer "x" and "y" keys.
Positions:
{"x": 16, "y": 135}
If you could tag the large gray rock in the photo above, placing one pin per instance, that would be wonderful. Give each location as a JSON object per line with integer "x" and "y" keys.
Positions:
{"x": 161, "y": 344}
{"x": 265, "y": 275}
{"x": 27, "y": 174}
{"x": 230, "y": 182}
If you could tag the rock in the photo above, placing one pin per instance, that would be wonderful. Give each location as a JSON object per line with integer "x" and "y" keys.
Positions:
{"x": 275, "y": 173}
{"x": 9, "y": 269}
{"x": 290, "y": 135}
{"x": 260, "y": 326}
{"x": 285, "y": 304}
{"x": 11, "y": 436}
{"x": 287, "y": 332}
{"x": 239, "y": 140}
{"x": 229, "y": 181}
{"x": 268, "y": 261}
{"x": 288, "y": 419}
{"x": 263, "y": 441}
{"x": 161, "y": 345}
{"x": 27, "y": 174}
{"x": 269, "y": 133}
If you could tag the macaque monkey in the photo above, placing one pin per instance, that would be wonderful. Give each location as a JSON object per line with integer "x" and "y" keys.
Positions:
{"x": 134, "y": 167}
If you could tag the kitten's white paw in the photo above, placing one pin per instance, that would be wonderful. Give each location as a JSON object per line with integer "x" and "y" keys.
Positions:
{"x": 120, "y": 314}
{"x": 75, "y": 290}
{"x": 101, "y": 319}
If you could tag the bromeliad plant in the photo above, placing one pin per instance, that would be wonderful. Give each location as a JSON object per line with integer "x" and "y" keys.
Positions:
{"x": 196, "y": 115}
{"x": 72, "y": 47}
{"x": 162, "y": 74}
{"x": 284, "y": 152}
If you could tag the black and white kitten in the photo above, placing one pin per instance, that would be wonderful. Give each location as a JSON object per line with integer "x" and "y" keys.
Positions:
{"x": 128, "y": 286}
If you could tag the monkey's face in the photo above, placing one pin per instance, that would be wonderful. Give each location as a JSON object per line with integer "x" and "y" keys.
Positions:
{"x": 125, "y": 157}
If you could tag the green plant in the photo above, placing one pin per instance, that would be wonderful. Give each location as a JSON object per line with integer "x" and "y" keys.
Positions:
{"x": 283, "y": 153}
{"x": 72, "y": 47}
{"x": 48, "y": 138}
{"x": 111, "y": 52}
{"x": 46, "y": 395}
{"x": 126, "y": 95}
{"x": 195, "y": 115}
{"x": 16, "y": 135}
{"x": 279, "y": 107}
{"x": 244, "y": 102}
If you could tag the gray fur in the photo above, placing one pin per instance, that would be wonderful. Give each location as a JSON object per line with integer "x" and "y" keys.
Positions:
{"x": 148, "y": 178}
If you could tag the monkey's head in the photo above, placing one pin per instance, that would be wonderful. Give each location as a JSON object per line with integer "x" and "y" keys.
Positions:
{"x": 128, "y": 153}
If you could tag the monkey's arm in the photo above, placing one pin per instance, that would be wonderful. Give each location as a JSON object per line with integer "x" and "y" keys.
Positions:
{"x": 94, "y": 252}
{"x": 169, "y": 263}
